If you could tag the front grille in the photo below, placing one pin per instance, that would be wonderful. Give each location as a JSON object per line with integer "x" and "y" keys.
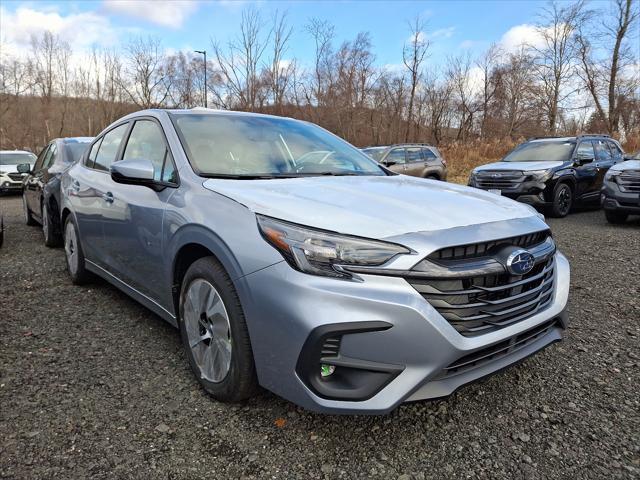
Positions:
{"x": 476, "y": 305}
{"x": 497, "y": 350}
{"x": 474, "y": 250}
{"x": 499, "y": 179}
{"x": 16, "y": 177}
{"x": 629, "y": 181}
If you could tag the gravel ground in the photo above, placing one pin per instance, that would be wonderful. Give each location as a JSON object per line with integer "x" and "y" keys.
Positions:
{"x": 94, "y": 385}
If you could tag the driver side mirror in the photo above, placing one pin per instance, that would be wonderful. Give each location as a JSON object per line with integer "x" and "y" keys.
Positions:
{"x": 135, "y": 172}
{"x": 24, "y": 168}
{"x": 584, "y": 158}
{"x": 389, "y": 163}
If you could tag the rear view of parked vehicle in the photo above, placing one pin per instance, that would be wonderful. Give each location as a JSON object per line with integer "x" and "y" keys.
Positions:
{"x": 415, "y": 159}
{"x": 289, "y": 259}
{"x": 621, "y": 190}
{"x": 552, "y": 173}
{"x": 41, "y": 194}
{"x": 10, "y": 178}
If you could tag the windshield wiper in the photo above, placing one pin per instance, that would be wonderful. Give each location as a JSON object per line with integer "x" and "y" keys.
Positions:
{"x": 265, "y": 176}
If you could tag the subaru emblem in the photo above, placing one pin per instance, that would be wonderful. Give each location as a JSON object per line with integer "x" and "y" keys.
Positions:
{"x": 520, "y": 262}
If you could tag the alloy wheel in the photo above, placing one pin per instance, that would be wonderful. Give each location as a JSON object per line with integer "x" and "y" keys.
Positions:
{"x": 208, "y": 330}
{"x": 564, "y": 199}
{"x": 45, "y": 220}
{"x": 70, "y": 247}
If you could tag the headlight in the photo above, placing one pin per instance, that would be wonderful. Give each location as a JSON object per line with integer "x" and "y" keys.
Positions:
{"x": 539, "y": 174}
{"x": 611, "y": 174}
{"x": 319, "y": 253}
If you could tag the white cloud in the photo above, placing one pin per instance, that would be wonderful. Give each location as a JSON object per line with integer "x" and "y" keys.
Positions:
{"x": 167, "y": 13}
{"x": 429, "y": 36}
{"x": 467, "y": 44}
{"x": 521, "y": 36}
{"x": 81, "y": 30}
{"x": 441, "y": 33}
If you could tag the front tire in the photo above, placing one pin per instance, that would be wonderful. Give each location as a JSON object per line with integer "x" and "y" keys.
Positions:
{"x": 73, "y": 252}
{"x": 214, "y": 332}
{"x": 615, "y": 217}
{"x": 562, "y": 200}
{"x": 28, "y": 217}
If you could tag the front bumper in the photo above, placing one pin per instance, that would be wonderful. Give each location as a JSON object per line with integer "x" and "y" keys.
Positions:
{"x": 9, "y": 185}
{"x": 531, "y": 192}
{"x": 415, "y": 345}
{"x": 611, "y": 198}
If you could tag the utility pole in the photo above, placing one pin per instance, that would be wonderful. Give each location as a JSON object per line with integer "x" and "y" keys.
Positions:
{"x": 204, "y": 52}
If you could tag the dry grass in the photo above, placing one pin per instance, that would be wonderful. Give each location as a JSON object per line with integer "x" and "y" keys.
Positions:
{"x": 464, "y": 157}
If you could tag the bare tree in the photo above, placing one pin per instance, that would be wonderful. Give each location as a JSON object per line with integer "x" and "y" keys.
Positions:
{"x": 554, "y": 58}
{"x": 238, "y": 65}
{"x": 602, "y": 77}
{"x": 280, "y": 72}
{"x": 322, "y": 33}
{"x": 144, "y": 79}
{"x": 413, "y": 55}
{"x": 487, "y": 63}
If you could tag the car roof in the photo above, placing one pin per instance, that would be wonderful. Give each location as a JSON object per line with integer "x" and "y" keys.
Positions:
{"x": 200, "y": 111}
{"x": 77, "y": 139}
{"x": 554, "y": 139}
{"x": 17, "y": 151}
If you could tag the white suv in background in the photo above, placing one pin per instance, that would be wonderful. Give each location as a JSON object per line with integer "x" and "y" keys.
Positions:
{"x": 10, "y": 178}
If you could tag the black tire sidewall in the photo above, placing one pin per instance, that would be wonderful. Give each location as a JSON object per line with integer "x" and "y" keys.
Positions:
{"x": 556, "y": 193}
{"x": 80, "y": 276}
{"x": 240, "y": 382}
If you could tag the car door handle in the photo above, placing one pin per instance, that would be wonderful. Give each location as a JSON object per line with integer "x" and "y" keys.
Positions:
{"x": 108, "y": 197}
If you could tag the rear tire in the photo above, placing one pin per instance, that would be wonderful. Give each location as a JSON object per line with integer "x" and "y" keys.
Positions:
{"x": 214, "y": 332}
{"x": 28, "y": 217}
{"x": 562, "y": 200}
{"x": 73, "y": 252}
{"x": 615, "y": 217}
{"x": 52, "y": 237}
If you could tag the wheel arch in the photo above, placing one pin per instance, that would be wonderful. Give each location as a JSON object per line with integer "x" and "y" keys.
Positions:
{"x": 190, "y": 244}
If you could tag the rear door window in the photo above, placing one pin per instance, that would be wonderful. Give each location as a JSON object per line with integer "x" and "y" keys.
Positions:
{"x": 41, "y": 158}
{"x": 616, "y": 153}
{"x": 91, "y": 158}
{"x": 414, "y": 155}
{"x": 428, "y": 154}
{"x": 109, "y": 148}
{"x": 603, "y": 154}
{"x": 51, "y": 156}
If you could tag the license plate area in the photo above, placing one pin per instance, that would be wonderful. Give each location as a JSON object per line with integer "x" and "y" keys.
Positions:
{"x": 495, "y": 190}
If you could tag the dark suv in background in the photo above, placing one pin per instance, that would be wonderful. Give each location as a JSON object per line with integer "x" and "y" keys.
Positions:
{"x": 553, "y": 173}
{"x": 415, "y": 159}
{"x": 621, "y": 190}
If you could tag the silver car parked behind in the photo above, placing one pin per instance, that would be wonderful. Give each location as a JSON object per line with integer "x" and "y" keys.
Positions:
{"x": 291, "y": 260}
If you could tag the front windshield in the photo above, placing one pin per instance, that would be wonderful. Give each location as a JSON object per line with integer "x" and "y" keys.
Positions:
{"x": 17, "y": 158}
{"x": 375, "y": 153}
{"x": 541, "y": 152}
{"x": 75, "y": 150}
{"x": 238, "y": 145}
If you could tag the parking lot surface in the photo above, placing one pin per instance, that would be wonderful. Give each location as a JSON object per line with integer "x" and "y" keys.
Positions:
{"x": 93, "y": 385}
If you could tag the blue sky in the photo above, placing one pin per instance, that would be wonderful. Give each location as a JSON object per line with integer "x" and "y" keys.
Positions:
{"x": 184, "y": 25}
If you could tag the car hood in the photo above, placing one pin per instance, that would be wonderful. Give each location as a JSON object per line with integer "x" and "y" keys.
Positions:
{"x": 370, "y": 206}
{"x": 8, "y": 168}
{"x": 627, "y": 165}
{"x": 519, "y": 166}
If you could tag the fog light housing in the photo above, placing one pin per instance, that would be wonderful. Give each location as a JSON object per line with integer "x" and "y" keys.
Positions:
{"x": 326, "y": 370}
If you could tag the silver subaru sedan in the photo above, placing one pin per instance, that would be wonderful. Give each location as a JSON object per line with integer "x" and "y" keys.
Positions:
{"x": 290, "y": 260}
